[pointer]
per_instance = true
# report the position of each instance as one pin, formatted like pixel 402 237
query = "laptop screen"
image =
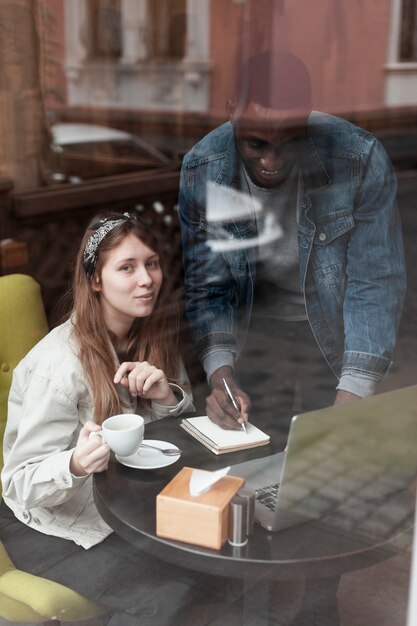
pixel 350 465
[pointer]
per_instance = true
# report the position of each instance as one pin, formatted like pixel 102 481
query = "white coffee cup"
pixel 123 433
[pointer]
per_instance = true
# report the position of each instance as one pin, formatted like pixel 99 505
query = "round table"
pixel 126 498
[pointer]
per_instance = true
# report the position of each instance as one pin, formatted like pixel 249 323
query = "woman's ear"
pixel 95 283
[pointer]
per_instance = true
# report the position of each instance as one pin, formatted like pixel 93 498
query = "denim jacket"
pixel 352 267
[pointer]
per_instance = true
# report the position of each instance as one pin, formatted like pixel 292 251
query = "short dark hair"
pixel 274 80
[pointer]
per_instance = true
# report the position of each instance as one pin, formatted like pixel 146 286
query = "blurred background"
pixel 100 100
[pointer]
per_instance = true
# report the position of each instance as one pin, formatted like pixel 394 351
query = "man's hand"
pixel 342 397
pixel 219 406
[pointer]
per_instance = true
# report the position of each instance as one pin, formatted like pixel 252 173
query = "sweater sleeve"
pixel 182 391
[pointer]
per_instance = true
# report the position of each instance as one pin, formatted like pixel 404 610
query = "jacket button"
pixel 36 520
pixel 5 367
pixel 322 237
pixel 231 235
pixel 25 515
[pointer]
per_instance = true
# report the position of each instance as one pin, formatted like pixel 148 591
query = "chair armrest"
pixel 48 598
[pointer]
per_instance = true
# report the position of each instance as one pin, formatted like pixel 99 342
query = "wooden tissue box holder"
pixel 200 520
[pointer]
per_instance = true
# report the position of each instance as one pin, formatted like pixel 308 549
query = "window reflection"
pixel 408 44
pixel 167 21
pixel 105 28
pixel 160 73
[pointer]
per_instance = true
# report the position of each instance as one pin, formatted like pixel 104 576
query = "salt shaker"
pixel 238 522
pixel 249 495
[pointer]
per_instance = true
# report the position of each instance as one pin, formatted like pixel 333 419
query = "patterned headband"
pixel 101 229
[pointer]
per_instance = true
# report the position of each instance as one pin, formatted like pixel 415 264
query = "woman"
pixel 117 352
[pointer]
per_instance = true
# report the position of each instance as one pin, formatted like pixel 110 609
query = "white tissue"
pixel 201 480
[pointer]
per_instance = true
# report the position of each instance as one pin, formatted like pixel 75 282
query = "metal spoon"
pixel 167 451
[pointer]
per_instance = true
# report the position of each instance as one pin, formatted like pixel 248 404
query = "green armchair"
pixel 24 597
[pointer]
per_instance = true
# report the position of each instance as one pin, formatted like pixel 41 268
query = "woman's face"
pixel 129 284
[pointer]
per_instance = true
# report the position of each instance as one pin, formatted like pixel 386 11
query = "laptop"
pixel 350 465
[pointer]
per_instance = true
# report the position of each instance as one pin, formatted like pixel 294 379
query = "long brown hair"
pixel 154 338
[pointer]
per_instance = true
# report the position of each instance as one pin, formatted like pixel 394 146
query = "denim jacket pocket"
pixel 334 226
pixel 332 280
pixel 328 257
pixel 242 230
pixel 228 239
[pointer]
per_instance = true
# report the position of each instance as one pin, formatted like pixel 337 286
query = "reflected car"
pixel 80 152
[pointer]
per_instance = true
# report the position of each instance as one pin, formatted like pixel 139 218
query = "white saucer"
pixel 145 458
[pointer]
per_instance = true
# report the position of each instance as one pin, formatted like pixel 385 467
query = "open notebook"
pixel 219 440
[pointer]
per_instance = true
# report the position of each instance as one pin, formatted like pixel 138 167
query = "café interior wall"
pixel 343 42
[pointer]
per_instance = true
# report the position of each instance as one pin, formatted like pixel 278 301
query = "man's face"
pixel 269 145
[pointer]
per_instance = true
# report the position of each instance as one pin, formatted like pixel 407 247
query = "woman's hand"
pixel 90 455
pixel 144 380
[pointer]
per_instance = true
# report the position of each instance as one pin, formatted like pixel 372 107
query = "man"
pixel 290 228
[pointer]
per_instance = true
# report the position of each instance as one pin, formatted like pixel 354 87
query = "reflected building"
pixel 139 54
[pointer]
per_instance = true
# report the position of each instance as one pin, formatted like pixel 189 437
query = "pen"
pixel 233 401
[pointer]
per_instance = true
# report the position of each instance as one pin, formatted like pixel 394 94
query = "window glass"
pixel 105 28
pixel 167 21
pixel 408 48
pixel 272 147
